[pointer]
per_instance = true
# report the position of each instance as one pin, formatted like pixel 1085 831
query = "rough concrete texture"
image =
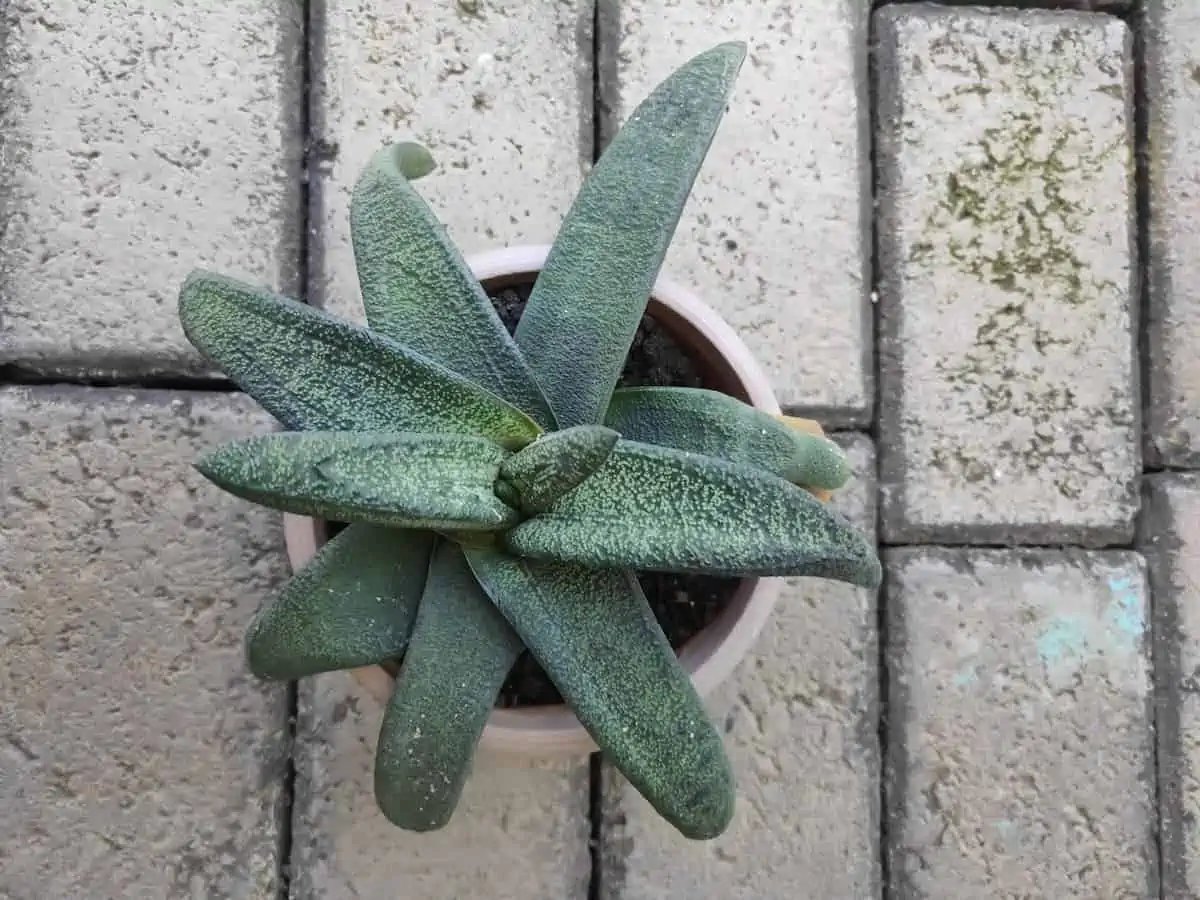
pixel 500 91
pixel 139 140
pixel 800 725
pixel 138 758
pixel 1010 399
pixel 1019 748
pixel 1170 539
pixel 1109 6
pixel 520 832
pixel 775 236
pixel 1172 29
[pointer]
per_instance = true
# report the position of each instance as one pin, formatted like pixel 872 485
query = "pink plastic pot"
pixel 711 655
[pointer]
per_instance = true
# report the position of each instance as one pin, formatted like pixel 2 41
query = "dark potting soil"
pixel 682 604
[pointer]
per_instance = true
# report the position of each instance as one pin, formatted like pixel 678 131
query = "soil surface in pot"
pixel 683 604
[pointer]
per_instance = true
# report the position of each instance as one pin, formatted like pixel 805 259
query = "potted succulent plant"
pixel 494 489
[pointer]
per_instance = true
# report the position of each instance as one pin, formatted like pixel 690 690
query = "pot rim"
pixel 710 656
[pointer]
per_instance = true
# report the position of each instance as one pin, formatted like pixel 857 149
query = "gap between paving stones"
pixel 311 10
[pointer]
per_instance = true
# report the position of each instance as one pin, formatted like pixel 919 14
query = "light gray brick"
pixel 775 236
pixel 500 91
pixel 799 718
pixel 1170 539
pixel 138 758
pixel 1172 29
pixel 520 831
pixel 1020 754
pixel 1109 6
pixel 139 140
pixel 1010 398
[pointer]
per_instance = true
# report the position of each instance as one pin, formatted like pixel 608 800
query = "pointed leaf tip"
pixel 606 257
pixel 735 50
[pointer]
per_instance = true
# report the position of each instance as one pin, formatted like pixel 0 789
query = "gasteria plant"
pixel 500 492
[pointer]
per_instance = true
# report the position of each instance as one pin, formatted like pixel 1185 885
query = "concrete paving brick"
pixel 520 831
pixel 800 721
pixel 500 91
pixel 1104 6
pixel 1020 759
pixel 1010 405
pixel 776 234
pixel 1170 540
pixel 138 140
pixel 1172 30
pixel 138 758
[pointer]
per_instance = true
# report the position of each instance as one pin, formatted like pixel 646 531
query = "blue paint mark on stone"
pixel 1125 616
pixel 966 676
pixel 1062 640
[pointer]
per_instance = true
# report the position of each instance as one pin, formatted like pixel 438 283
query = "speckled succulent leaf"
pixel 418 290
pixel 353 604
pixel 555 464
pixel 458 657
pixel 313 371
pixel 595 635
pixel 591 294
pixel 715 424
pixel 659 509
pixel 398 480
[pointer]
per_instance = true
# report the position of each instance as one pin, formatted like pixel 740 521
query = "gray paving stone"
pixel 1107 6
pixel 1020 754
pixel 1170 540
pixel 500 91
pixel 776 234
pixel 800 721
pixel 140 140
pixel 520 831
pixel 138 758
pixel 1172 29
pixel 1010 400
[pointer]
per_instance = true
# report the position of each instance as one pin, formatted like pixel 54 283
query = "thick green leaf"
pixel 597 638
pixel 716 424
pixel 352 605
pixel 459 655
pixel 591 294
pixel 315 372
pixel 418 290
pixel 658 509
pixel 399 480
pixel 555 464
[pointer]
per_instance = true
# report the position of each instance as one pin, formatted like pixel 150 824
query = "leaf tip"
pixel 410 159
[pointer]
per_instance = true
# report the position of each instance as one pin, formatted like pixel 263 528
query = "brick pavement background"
pixel 1000 201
